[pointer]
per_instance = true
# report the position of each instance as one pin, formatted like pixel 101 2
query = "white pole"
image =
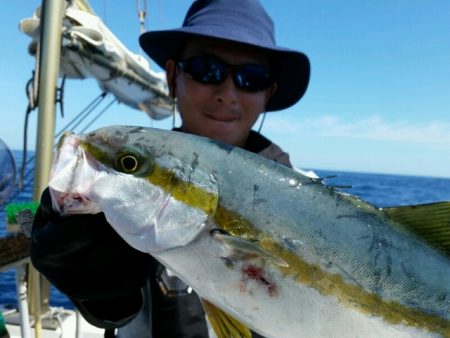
pixel 78 333
pixel 50 50
pixel 21 290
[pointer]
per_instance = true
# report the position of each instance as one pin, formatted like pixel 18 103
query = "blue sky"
pixel 378 100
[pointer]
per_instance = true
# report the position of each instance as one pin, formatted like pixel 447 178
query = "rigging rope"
pixel 83 114
pixel 30 91
pixel 98 115
pixel 141 6
pixel 32 104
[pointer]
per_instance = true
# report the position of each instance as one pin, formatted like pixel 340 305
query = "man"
pixel 223 70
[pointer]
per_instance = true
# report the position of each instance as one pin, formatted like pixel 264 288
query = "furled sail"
pixel 90 49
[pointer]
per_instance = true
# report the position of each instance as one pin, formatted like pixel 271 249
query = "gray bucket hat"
pixel 242 21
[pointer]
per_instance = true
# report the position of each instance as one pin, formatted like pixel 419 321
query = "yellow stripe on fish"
pixel 311 275
pixel 327 283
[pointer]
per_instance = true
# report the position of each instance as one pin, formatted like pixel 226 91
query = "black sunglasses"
pixel 209 69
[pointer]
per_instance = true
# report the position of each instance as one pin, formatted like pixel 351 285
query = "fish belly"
pixel 270 303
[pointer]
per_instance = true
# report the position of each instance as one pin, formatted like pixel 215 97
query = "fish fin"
pixel 429 221
pixel 322 180
pixel 224 325
pixel 246 249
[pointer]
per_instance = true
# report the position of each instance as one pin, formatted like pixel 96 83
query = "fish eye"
pixel 128 163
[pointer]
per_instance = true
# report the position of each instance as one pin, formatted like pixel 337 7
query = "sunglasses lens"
pixel 252 78
pixel 211 70
pixel 204 69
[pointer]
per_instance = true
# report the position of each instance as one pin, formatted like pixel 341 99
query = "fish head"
pixel 154 201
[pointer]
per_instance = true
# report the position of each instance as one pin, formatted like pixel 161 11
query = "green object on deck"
pixel 13 208
pixel 3 331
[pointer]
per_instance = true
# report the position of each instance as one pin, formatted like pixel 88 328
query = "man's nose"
pixel 226 91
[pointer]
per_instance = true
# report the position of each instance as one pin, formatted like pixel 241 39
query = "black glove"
pixel 87 260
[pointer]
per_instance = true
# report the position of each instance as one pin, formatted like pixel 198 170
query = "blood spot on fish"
pixel 252 272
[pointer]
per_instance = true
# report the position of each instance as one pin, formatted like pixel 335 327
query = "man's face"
pixel 219 111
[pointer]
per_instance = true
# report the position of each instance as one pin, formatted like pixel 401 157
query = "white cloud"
pixel 433 133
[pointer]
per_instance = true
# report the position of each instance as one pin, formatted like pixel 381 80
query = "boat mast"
pixel 49 63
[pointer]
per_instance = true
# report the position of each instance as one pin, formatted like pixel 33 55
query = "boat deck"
pixel 57 323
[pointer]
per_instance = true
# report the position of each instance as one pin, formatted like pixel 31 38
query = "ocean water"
pixel 378 189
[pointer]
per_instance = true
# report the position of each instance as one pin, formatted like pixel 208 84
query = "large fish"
pixel 280 252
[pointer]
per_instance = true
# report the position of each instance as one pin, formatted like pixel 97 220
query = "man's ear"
pixel 171 72
pixel 273 88
pixel 270 91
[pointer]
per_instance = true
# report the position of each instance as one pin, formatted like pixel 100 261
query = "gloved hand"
pixel 87 260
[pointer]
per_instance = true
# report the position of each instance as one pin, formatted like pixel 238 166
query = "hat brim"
pixel 292 67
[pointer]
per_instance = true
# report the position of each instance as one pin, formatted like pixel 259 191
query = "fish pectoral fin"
pixel 429 221
pixel 244 249
pixel 224 325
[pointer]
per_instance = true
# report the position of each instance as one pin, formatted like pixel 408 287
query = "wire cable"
pixel 98 115
pixel 82 115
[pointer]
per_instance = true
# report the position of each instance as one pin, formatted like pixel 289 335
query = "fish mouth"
pixel 73 173
pixel 70 203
